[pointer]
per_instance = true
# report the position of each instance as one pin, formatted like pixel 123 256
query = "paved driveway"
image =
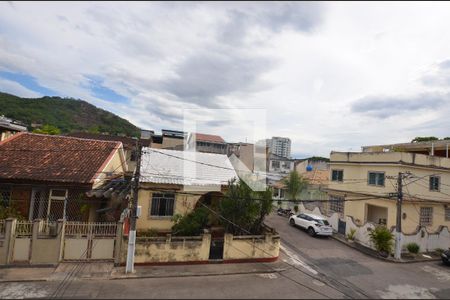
pixel 356 272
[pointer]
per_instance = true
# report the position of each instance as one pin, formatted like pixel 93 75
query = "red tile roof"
pixel 128 142
pixel 53 158
pixel 209 138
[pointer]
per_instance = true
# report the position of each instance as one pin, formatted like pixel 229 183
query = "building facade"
pixel 364 186
pixel 280 146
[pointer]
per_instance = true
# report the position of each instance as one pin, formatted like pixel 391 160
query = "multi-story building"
pixel 280 146
pixel 363 185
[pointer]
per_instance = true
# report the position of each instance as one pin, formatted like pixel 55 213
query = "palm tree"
pixel 294 186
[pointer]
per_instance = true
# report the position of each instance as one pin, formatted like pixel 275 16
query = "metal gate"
pixel 216 248
pixel 22 242
pixel 341 227
pixel 89 241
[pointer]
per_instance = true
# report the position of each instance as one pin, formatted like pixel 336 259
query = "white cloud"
pixel 308 64
pixel 12 87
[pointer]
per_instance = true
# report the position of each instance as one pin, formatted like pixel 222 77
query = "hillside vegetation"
pixel 66 114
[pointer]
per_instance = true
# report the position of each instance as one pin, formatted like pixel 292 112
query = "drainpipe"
pixel 446 150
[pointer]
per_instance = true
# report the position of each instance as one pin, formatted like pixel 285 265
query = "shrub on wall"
pixel 413 248
pixel 383 239
pixel 191 224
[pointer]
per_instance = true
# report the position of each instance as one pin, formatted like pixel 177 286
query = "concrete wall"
pixel 256 247
pixel 428 241
pixel 170 142
pixel 170 249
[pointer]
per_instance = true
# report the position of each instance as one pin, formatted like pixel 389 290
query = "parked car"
pixel 314 225
pixel 445 256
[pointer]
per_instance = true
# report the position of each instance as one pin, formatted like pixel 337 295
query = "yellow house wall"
pixel 183 205
pixel 355 180
pixel 171 142
pixel 116 165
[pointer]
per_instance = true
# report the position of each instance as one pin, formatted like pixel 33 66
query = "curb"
pixel 368 253
pixel 198 275
pixel 23 280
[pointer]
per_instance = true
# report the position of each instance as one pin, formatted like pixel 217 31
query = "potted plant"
pixel 382 239
pixel 351 235
pixel 296 208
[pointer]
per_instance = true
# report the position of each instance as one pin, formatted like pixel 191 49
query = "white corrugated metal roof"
pixel 185 167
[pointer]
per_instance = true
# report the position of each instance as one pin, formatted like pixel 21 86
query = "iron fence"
pixel 90 229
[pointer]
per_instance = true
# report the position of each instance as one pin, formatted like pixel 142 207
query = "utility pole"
pixel 398 226
pixel 134 204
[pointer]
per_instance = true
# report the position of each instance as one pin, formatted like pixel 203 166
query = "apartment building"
pixel 363 185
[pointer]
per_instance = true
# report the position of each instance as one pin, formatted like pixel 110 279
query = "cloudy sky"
pixel 331 76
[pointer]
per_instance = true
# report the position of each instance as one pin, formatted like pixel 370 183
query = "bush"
pixel 10 212
pixel 296 208
pixel 191 224
pixel 382 238
pixel 351 234
pixel 439 251
pixel 413 248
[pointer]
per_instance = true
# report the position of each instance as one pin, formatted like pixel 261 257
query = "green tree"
pixel 48 129
pixel 424 139
pixel 191 224
pixel 295 184
pixel 243 210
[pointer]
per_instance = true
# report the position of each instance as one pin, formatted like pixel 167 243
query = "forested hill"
pixel 65 113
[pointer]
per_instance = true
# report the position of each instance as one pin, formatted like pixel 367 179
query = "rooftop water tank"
pixel 309 168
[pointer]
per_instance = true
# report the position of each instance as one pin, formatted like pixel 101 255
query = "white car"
pixel 314 225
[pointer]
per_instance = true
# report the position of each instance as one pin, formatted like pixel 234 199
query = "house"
pixel 9 127
pixel 129 145
pixel 279 164
pixel 43 176
pixel 175 182
pixel 208 143
pixel 363 186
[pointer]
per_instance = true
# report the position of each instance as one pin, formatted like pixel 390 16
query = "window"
pixel 336 204
pixel 447 214
pixel 162 204
pixel 426 216
pixel 337 175
pixel 58 194
pixel 376 178
pixel 286 165
pixel 434 183
pixel 275 164
pixel 5 196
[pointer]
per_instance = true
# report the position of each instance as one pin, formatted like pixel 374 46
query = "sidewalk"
pixel 25 274
pixel 198 270
pixel 106 271
pixel 406 258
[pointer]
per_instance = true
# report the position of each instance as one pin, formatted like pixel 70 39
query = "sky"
pixel 330 76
